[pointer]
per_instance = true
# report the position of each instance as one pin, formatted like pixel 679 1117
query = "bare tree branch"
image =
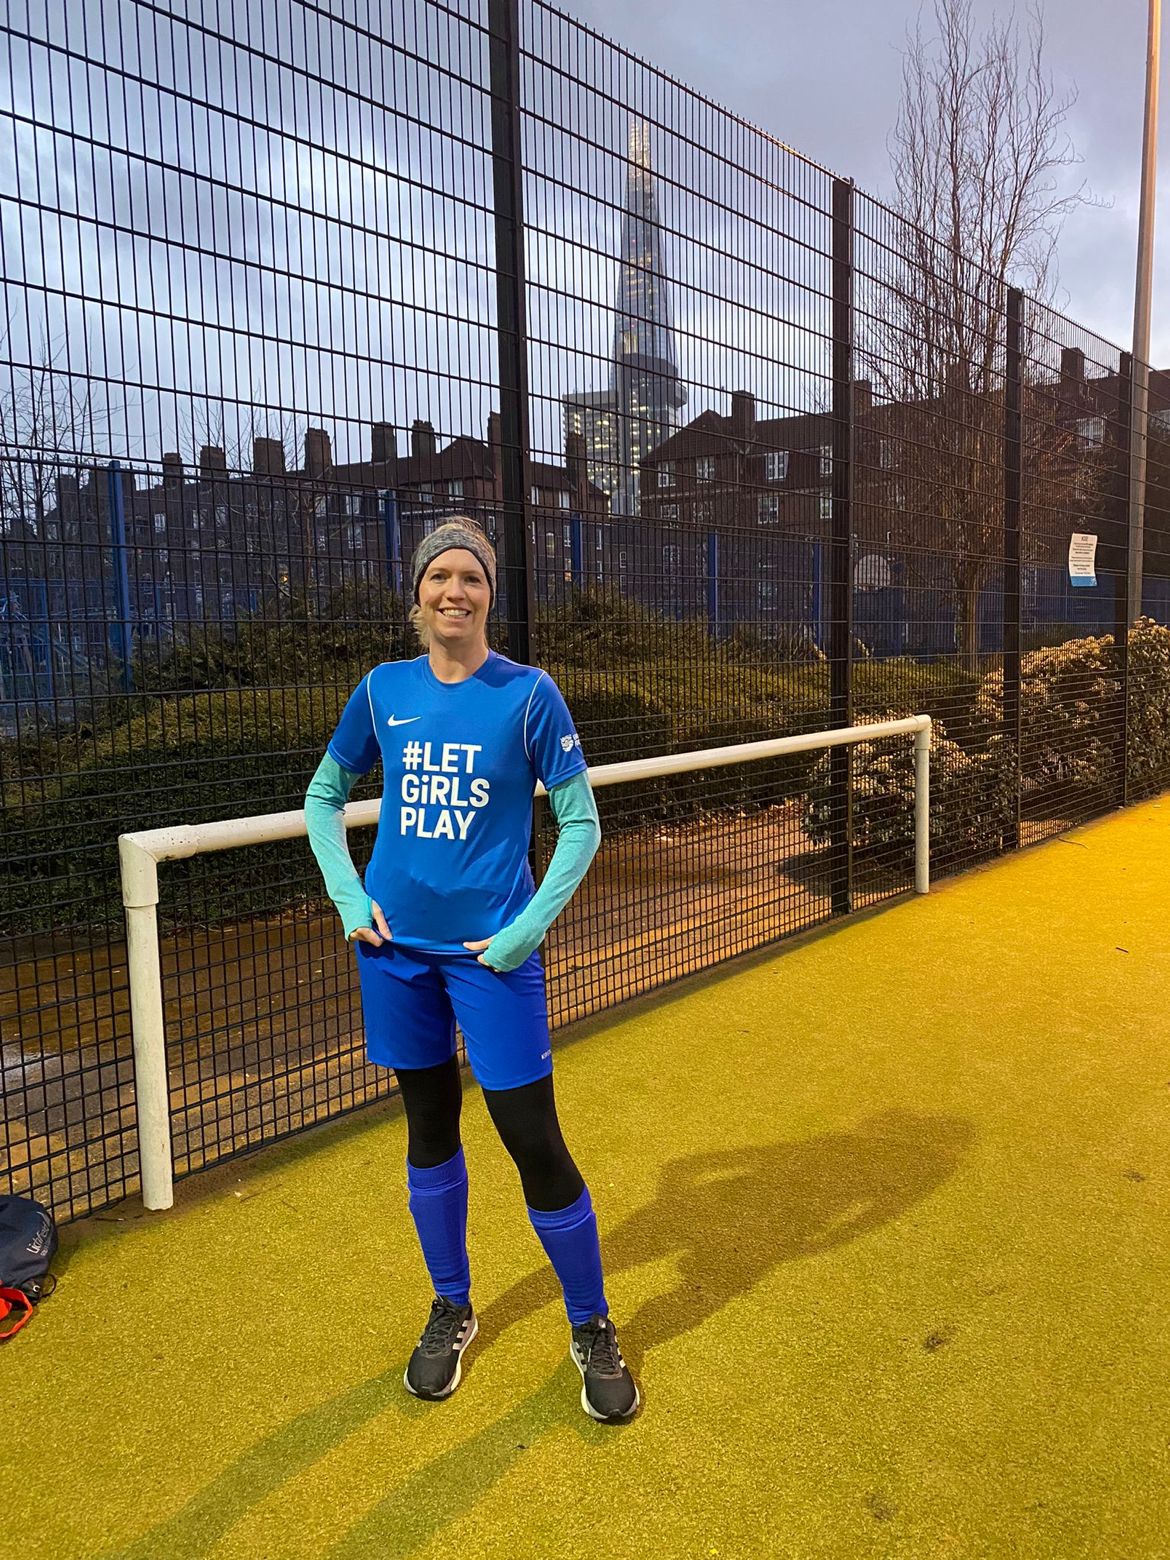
pixel 980 160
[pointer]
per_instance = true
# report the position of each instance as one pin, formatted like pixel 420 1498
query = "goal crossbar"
pixel 140 855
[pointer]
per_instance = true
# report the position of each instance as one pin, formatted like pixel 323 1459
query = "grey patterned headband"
pixel 457 532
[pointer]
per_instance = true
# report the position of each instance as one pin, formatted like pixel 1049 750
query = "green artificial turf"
pixel 885 1221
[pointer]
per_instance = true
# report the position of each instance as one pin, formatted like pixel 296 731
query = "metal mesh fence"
pixel 285 287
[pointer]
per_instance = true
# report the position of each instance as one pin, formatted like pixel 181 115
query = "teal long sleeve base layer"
pixel 578 836
pixel 324 805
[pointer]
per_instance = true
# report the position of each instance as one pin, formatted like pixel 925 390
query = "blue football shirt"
pixel 460 763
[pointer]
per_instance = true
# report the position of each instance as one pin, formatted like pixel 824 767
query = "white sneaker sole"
pixel 437 1397
pixel 603 1419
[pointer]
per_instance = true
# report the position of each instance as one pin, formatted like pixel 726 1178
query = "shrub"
pixel 1070 715
pixel 358 627
pixel 187 759
pixel 596 627
pixel 1148 728
pixel 972 797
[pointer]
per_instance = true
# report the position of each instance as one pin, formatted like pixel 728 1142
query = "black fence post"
pixel 1121 593
pixel 511 326
pixel 841 553
pixel 1011 554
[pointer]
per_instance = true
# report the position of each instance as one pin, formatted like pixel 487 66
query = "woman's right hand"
pixel 375 935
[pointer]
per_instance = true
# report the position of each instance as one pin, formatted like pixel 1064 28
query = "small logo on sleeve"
pixel 570 742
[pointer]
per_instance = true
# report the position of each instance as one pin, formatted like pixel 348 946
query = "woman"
pixel 447 927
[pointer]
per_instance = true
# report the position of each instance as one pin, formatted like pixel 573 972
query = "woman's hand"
pixel 375 935
pixel 506 951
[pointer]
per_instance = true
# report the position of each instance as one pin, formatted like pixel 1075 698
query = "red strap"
pixel 9 1297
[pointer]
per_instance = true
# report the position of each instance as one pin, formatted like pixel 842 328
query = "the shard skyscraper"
pixel 645 392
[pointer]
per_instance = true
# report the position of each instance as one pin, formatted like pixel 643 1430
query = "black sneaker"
pixel 608 1391
pixel 436 1365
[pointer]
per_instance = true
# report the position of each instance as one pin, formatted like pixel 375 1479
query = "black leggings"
pixel 525 1118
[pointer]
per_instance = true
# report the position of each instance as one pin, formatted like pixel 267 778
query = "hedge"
pixel 246 717
pixel 972 797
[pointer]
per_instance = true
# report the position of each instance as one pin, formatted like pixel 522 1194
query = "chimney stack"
pixel 268 458
pixel 383 444
pixel 576 466
pixel 422 439
pixel 743 413
pixel 172 466
pixel 212 462
pixel 1072 368
pixel 318 452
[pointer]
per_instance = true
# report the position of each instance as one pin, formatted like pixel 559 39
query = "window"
pixel 669 513
pixel 886 454
pixel 622 559
pixel 776 465
pixel 1091 432
pixel 765 590
pixel 160 523
pixel 670 556
pixel 455 488
pixel 769 508
pixel 534 495
pixel 826 454
pixel 826 506
pixel 562 499
pixel 351 504
pixel 550 544
pixel 666 474
pixel 705 468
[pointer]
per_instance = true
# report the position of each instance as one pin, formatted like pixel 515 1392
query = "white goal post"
pixel 141 853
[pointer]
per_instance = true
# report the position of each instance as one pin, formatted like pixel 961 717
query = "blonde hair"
pixel 421 632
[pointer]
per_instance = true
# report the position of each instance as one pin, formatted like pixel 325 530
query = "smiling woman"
pixel 455 592
pixel 447 929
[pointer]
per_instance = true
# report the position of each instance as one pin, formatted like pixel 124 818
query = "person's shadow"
pixel 729 1217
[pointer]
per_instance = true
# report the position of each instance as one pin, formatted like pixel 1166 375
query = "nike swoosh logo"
pixel 390 720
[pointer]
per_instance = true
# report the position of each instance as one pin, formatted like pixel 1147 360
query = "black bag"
pixel 28 1243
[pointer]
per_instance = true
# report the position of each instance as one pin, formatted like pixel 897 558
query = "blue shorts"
pixel 411 1002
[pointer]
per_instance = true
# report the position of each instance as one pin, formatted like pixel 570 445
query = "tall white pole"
pixel 1141 318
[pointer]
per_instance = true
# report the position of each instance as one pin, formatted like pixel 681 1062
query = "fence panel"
pixel 284 288
pixel 252 357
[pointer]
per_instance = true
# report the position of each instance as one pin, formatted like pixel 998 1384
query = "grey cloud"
pixel 826 80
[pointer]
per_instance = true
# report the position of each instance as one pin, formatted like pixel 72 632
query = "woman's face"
pixel 453 597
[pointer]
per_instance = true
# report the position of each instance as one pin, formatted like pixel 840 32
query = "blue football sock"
pixel 569 1237
pixel 438 1205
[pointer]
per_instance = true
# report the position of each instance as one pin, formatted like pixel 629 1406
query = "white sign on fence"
pixel 1082 559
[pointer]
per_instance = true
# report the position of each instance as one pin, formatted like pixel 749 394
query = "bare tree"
pixel 48 426
pixel 979 157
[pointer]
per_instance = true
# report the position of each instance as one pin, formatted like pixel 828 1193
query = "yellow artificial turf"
pixel 885 1220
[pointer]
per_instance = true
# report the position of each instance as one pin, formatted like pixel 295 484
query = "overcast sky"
pixel 271 213
pixel 826 79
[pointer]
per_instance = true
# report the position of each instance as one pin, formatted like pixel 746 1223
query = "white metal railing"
pixel 141 853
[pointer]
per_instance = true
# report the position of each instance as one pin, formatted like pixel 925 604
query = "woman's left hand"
pixel 504 952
